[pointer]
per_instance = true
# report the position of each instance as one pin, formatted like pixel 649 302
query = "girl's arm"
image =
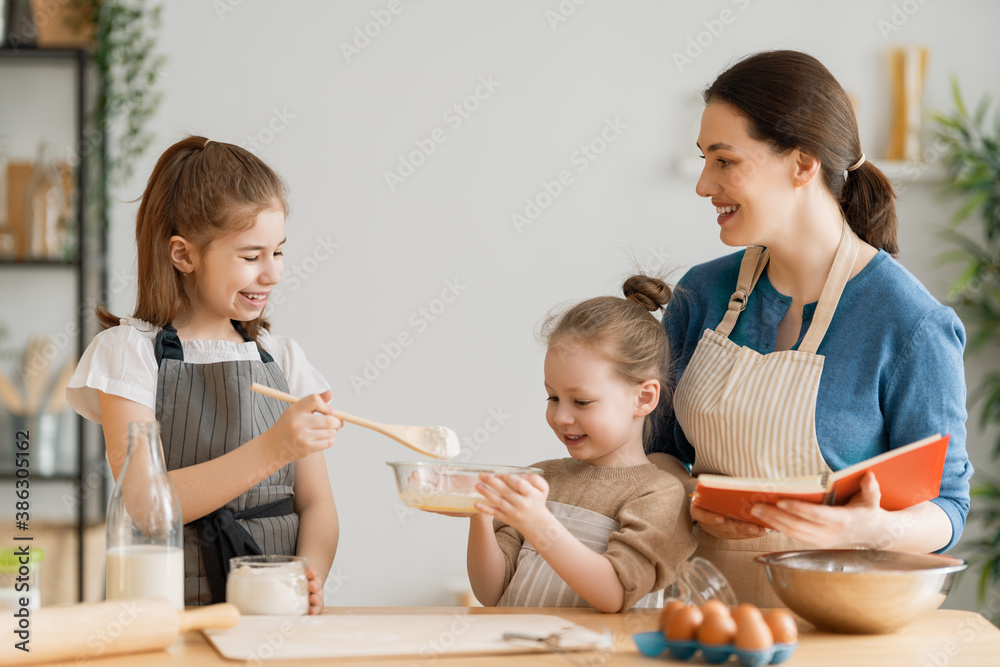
pixel 520 502
pixel 319 528
pixel 205 487
pixel 485 561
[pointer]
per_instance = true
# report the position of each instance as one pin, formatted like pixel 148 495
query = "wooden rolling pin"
pixel 90 630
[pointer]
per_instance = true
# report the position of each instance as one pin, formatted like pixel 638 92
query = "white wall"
pixel 239 69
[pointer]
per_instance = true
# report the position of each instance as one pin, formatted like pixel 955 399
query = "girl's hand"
pixel 724 527
pixel 304 428
pixel 517 500
pixel 860 522
pixel 315 592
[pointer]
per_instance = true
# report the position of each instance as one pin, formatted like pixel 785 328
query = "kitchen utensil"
pixel 10 396
pixel 862 591
pixel 56 401
pixel 438 442
pixel 446 487
pixel 576 638
pixel 77 632
pixel 36 366
pixel 424 637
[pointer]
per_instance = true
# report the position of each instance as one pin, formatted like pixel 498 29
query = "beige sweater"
pixel 649 504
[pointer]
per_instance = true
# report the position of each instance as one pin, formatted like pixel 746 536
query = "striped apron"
pixel 205 411
pixel 754 415
pixel 536 584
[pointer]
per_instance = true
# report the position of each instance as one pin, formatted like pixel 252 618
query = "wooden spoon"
pixel 10 397
pixel 437 442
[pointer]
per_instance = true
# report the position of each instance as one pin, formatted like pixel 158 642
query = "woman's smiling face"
pixel 749 184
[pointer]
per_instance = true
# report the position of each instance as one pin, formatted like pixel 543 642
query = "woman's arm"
pixel 485 561
pixel 520 502
pixel 712 523
pixel 205 487
pixel 319 528
pixel 922 528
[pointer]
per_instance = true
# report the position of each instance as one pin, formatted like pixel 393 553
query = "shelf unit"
pixel 88 271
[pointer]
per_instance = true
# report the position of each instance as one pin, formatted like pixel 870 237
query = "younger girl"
pixel 249 473
pixel 605 527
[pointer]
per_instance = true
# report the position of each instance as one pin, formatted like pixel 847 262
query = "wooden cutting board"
pixel 417 636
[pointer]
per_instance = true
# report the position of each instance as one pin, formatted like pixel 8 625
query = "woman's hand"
pixel 859 523
pixel 517 500
pixel 315 592
pixel 304 428
pixel 723 527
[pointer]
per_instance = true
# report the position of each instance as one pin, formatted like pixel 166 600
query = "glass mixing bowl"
pixel 441 486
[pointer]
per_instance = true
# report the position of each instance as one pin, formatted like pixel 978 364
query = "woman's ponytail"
pixel 868 202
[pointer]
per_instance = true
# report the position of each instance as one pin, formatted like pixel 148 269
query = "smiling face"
pixel 750 185
pixel 595 413
pixel 235 273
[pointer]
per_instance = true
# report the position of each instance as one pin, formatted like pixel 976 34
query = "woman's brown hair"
pixel 626 332
pixel 790 100
pixel 200 190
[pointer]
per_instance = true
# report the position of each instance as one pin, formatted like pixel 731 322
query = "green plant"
pixel 128 71
pixel 972 157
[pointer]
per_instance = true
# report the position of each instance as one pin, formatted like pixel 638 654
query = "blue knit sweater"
pixel 893 372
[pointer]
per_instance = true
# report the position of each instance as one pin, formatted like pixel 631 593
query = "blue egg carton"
pixel 655 645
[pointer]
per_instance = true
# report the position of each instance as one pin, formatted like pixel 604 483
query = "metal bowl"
pixel 861 591
pixel 441 486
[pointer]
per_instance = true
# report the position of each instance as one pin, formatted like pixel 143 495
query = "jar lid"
pixel 10 558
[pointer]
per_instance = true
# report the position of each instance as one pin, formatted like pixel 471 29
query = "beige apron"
pixel 754 415
pixel 536 584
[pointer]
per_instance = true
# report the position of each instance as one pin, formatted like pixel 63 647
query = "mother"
pixel 812 349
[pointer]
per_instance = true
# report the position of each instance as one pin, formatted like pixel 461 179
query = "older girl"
pixel 250 474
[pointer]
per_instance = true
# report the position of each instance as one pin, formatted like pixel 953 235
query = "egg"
pixel 714 607
pixel 683 624
pixel 668 611
pixel 752 633
pixel 782 625
pixel 743 610
pixel 718 627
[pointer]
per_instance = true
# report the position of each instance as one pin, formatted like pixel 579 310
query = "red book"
pixel 907 475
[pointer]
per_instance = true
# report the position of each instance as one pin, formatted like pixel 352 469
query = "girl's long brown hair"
pixel 201 190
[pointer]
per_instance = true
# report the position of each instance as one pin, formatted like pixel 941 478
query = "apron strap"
pixel 168 344
pixel 220 538
pixel 264 356
pixel 754 261
pixel 840 273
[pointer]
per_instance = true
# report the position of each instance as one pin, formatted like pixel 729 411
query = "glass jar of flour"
pixel 268 585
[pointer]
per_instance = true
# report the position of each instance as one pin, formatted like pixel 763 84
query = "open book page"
pixel 907 476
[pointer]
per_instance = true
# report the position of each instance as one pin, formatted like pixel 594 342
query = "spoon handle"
pixel 288 398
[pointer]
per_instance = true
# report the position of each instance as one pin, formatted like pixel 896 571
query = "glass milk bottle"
pixel 145 539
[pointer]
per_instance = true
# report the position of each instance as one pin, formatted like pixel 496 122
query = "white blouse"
pixel 121 361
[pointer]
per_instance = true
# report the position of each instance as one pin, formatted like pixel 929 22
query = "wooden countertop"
pixel 943 638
